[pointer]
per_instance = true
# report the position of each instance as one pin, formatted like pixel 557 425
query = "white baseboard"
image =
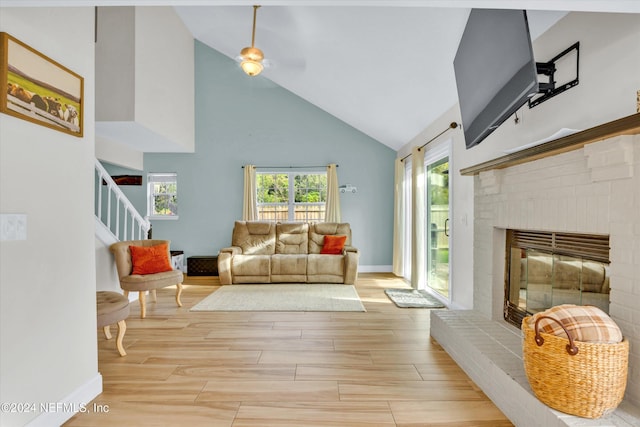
pixel 78 401
pixel 375 268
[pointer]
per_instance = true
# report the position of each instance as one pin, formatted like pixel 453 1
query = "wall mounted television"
pixel 495 70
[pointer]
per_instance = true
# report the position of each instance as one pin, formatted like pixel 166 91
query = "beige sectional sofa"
pixel 268 252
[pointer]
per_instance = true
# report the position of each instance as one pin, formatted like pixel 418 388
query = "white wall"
pixel 145 81
pixel 118 154
pixel 106 273
pixel 165 75
pixel 115 64
pixel 609 79
pixel 47 282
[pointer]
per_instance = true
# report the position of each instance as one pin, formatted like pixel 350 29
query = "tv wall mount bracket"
pixel 548 89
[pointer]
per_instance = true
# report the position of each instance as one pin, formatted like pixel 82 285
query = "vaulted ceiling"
pixel 386 71
pixel 384 67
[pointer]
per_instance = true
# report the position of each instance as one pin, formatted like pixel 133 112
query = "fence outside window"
pixel 292 196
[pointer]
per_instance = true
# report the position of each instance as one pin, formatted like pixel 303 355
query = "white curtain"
pixel 418 244
pixel 332 208
pixel 398 219
pixel 249 206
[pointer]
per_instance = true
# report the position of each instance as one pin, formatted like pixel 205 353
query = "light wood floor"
pixel 378 368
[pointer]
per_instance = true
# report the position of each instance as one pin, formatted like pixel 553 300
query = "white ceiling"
pixel 386 71
pixel 384 67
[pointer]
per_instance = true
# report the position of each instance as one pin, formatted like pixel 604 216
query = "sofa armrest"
pixel 351 257
pixel 232 250
pixel 224 263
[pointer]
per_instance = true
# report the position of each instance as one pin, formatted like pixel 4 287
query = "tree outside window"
pixel 292 196
pixel 162 196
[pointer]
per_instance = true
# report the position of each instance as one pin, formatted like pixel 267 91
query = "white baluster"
pixel 124 226
pixel 109 208
pixel 133 228
pixel 127 208
pixel 118 216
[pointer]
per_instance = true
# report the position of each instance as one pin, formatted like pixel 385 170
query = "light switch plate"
pixel 13 227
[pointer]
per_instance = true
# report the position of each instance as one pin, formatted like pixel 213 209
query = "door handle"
pixel 446 227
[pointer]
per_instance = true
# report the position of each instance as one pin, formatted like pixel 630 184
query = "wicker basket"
pixel 589 383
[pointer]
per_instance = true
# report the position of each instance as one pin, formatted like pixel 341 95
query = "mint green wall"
pixel 241 120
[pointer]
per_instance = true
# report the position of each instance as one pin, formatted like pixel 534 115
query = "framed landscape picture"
pixel 39 89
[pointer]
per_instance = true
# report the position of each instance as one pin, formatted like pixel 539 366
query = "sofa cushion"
pixel 254 237
pixel 319 230
pixel 251 265
pixel 325 264
pixel 290 268
pixel 138 282
pixel 292 238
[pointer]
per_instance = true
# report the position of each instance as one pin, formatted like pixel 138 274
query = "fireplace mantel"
pixel 629 125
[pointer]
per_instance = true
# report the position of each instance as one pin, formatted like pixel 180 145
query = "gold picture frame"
pixel 38 89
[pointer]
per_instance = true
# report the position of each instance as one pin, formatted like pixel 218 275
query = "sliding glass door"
pixel 438 224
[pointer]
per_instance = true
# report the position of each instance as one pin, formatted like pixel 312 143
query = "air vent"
pixel 589 246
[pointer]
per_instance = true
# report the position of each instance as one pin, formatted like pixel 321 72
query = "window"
pixel 292 196
pixel 162 196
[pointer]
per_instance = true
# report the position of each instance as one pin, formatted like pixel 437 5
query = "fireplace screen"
pixel 546 269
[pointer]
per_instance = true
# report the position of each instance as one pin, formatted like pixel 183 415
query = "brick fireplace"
pixel 594 189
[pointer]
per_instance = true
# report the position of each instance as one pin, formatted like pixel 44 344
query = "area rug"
pixel 282 297
pixel 412 298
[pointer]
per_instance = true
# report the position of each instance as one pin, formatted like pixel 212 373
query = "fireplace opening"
pixel 545 269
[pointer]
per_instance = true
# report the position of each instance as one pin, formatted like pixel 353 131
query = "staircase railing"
pixel 115 211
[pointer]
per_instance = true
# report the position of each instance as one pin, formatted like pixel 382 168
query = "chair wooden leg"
pixel 178 293
pixel 122 328
pixel 153 295
pixel 126 294
pixel 107 331
pixel 143 308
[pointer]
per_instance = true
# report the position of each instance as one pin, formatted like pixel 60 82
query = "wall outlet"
pixel 13 227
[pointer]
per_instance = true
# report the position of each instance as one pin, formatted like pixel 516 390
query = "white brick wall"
pixel 592 190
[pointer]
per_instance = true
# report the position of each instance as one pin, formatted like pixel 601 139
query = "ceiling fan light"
pixel 252 53
pixel 251 67
pixel 252 56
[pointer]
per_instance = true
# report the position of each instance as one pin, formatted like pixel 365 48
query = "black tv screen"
pixel 495 70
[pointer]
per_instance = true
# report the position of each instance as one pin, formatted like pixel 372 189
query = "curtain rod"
pixel 452 125
pixel 290 167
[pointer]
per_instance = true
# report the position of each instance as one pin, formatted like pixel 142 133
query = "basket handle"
pixel 571 347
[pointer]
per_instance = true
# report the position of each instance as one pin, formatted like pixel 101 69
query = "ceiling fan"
pixel 251 58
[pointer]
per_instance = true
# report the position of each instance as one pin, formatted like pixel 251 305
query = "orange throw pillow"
pixel 149 260
pixel 333 245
